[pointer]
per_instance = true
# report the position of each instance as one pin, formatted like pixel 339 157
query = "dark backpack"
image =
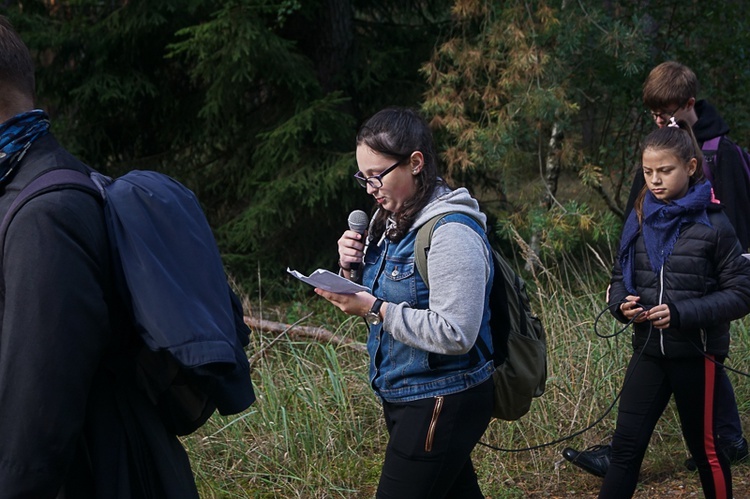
pixel 732 177
pixel 518 338
pixel 710 156
pixel 170 277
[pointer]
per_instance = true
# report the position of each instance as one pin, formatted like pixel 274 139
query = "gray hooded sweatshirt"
pixel 459 268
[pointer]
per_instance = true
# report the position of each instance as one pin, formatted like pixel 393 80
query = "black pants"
pixel 728 424
pixel 429 450
pixel 650 381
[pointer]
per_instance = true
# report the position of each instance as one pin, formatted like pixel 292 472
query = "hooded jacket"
pixel 426 343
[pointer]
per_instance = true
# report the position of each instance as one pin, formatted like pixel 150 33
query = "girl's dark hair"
pixel 680 141
pixel 397 132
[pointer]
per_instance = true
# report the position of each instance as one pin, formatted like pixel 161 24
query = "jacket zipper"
pixel 661 297
pixel 378 354
pixel 433 423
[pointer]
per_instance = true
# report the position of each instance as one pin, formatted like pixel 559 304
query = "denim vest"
pixel 399 372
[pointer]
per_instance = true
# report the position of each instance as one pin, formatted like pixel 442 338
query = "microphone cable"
pixel 627 378
pixel 720 364
pixel 611 406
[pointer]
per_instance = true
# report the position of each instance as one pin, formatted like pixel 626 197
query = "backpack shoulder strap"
pixel 710 149
pixel 48 181
pixel 422 246
pixel 712 144
pixel 423 241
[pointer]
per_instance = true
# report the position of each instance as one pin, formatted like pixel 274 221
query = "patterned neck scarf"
pixel 16 136
pixel 661 228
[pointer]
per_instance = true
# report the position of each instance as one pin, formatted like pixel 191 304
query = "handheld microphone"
pixel 358 222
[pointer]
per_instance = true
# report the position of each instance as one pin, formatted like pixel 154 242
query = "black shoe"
pixel 737 453
pixel 595 459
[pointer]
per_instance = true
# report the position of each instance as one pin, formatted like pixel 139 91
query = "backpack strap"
pixel 422 246
pixel 423 242
pixel 712 144
pixel 421 249
pixel 744 158
pixel 710 150
pixel 51 180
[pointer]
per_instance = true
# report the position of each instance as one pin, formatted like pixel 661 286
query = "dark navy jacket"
pixel 70 426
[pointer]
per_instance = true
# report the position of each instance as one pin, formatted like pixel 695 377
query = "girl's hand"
pixel 631 308
pixel 352 304
pixel 659 316
pixel 351 249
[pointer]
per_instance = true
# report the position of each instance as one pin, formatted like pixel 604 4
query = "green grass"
pixel 316 430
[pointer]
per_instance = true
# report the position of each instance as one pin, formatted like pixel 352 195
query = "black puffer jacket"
pixel 706 282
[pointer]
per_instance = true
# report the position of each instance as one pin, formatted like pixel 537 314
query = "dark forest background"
pixel 254 104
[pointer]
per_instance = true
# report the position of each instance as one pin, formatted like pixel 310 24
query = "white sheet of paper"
pixel 327 280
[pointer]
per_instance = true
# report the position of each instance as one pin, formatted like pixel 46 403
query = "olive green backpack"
pixel 518 337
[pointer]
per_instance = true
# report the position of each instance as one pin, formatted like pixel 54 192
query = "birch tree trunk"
pixel 550 175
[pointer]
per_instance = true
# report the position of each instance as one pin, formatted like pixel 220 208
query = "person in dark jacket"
pixel 681 278
pixel 670 92
pixel 72 425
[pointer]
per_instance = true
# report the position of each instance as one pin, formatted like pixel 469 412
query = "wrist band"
pixel 342 267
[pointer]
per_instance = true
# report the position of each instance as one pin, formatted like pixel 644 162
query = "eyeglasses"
pixel 376 181
pixel 667 115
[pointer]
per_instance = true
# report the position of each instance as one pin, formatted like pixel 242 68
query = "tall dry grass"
pixel 316 430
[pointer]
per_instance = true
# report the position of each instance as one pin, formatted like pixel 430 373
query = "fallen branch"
pixel 296 331
pixel 260 352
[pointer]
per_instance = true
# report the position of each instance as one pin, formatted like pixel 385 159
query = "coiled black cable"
pixel 611 406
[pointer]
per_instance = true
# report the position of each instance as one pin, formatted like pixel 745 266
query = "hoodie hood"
pixel 444 200
pixel 710 124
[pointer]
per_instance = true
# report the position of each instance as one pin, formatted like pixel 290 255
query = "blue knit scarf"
pixel 661 228
pixel 16 136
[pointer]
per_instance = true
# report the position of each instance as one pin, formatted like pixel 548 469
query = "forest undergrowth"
pixel 316 430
